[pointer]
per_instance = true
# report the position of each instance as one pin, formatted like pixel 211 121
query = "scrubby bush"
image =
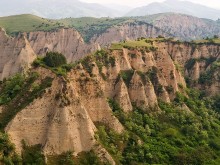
pixel 54 59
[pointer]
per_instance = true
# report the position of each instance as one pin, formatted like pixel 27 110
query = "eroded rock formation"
pixel 16 55
pixel 66 41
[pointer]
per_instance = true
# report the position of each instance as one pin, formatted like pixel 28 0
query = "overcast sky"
pixel 132 3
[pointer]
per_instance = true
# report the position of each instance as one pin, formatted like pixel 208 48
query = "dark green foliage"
pixel 174 136
pixel 7 152
pixel 87 64
pixel 190 63
pixel 10 88
pixel 169 89
pixel 127 76
pixel 29 91
pixel 208 77
pixel 32 155
pixel 60 70
pixel 144 77
pixel 67 158
pixel 216 103
pixel 103 58
pixel 86 158
pixel 54 59
pixel 64 158
pixel 152 74
pixel 133 55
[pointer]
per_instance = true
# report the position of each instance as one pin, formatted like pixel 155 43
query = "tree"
pixel 54 59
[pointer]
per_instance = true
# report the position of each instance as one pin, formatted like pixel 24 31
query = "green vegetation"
pixel 174 136
pixel 215 40
pixel 67 158
pixel 208 77
pixel 10 88
pixel 32 155
pixel 18 92
pixel 89 27
pixel 7 151
pixel 101 58
pixel 126 76
pixel 64 158
pixel 140 43
pixel 54 61
pixel 27 23
pixel 190 63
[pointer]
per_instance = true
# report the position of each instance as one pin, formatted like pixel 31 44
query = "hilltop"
pixel 169 24
pixel 27 23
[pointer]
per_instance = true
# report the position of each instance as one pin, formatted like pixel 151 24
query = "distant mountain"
pixel 56 9
pixel 176 6
pixel 121 9
pixel 109 30
pixel 182 26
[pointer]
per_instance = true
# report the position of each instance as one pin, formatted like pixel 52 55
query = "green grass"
pixel 212 40
pixel 131 44
pixel 27 23
pixel 89 26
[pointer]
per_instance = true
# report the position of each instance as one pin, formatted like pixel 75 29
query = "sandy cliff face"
pixel 127 31
pixel 16 55
pixel 66 41
pixel 197 60
pixel 186 27
pixel 65 117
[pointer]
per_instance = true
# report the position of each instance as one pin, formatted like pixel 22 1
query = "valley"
pixel 97 90
pixel 131 97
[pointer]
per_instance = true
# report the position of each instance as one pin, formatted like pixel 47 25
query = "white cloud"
pixel 135 3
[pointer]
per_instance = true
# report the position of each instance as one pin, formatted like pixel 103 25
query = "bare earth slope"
pixel 16 54
pixel 66 41
pixel 65 117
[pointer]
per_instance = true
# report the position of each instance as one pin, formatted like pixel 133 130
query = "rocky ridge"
pixel 66 41
pixel 134 76
pixel 16 55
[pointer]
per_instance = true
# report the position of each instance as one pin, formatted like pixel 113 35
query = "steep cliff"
pixel 16 55
pixel 71 107
pixel 199 62
pixel 66 41
pixel 184 27
pixel 127 31
pixel 122 89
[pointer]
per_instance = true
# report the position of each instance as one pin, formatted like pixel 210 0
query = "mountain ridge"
pixel 56 10
pixel 101 91
pixel 184 7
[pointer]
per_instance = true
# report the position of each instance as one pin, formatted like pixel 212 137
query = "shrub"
pixel 127 76
pixel 54 59
pixel 11 88
pixel 33 155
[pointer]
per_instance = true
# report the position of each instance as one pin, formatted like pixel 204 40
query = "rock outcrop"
pixel 16 55
pixel 184 27
pixel 127 31
pixel 65 117
pixel 197 61
pixel 66 41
